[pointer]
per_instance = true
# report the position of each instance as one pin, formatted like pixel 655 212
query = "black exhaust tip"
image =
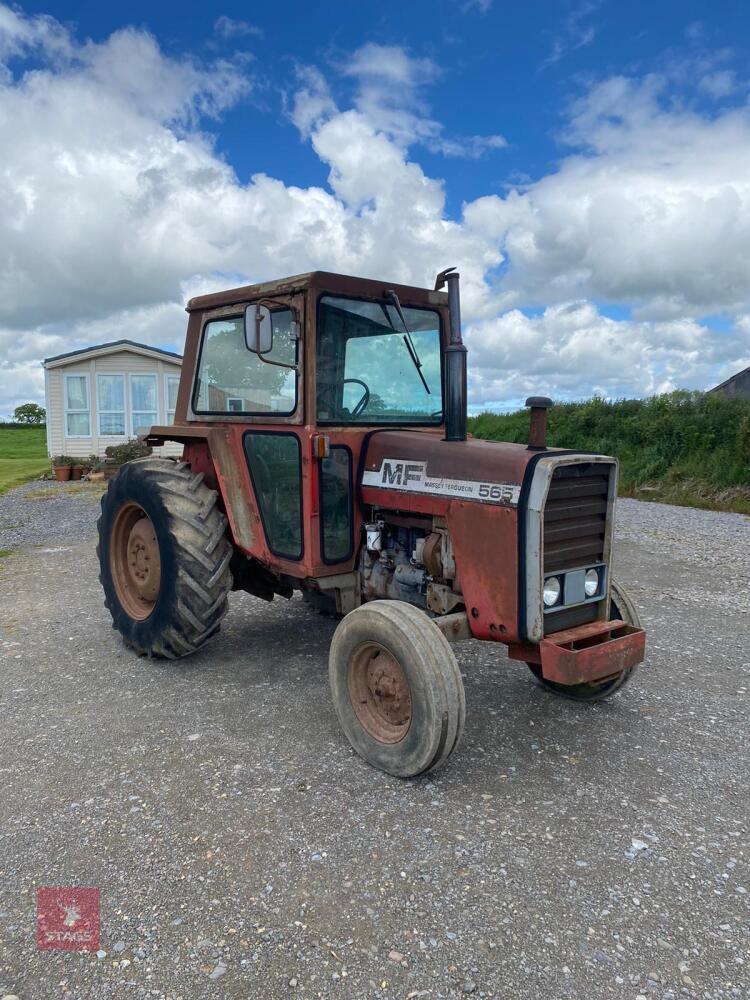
pixel 455 364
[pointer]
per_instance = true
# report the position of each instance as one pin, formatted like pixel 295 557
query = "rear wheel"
pixel 163 557
pixel 622 607
pixel 396 688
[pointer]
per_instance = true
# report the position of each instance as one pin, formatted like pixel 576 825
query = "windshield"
pixel 365 370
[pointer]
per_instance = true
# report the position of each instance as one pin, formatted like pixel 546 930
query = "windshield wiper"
pixel 391 295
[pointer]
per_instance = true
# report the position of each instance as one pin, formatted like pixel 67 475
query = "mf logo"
pixel 402 473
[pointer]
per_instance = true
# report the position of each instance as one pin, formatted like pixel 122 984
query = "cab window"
pixel 366 372
pixel 275 465
pixel 232 379
pixel 336 514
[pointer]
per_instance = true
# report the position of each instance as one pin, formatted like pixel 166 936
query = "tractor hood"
pixel 420 463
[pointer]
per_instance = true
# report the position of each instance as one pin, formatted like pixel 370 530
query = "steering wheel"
pixel 361 405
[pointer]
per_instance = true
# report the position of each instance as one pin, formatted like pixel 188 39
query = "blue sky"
pixel 584 164
pixel 501 68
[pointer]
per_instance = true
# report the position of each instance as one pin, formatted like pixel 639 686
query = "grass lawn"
pixel 23 455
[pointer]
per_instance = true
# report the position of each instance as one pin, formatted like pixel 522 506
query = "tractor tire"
pixel 396 687
pixel 622 607
pixel 163 557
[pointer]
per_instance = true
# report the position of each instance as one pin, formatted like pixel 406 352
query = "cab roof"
pixel 328 281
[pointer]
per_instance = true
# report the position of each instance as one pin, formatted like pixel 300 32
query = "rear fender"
pixel 216 459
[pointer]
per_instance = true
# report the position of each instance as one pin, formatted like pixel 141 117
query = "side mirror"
pixel 258 329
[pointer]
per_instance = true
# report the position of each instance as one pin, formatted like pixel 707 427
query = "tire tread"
pixel 197 531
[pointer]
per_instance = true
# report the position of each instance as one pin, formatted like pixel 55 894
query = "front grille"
pixel 575 516
pixel 575 523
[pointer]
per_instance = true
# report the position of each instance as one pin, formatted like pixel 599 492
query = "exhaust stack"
pixel 538 426
pixel 455 361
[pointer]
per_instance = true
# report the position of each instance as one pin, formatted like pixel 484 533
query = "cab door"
pixel 274 459
pixel 257 397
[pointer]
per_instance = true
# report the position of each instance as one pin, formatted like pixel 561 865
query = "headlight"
pixel 591 583
pixel 551 592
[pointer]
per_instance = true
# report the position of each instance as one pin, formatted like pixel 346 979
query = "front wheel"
pixel 622 607
pixel 396 687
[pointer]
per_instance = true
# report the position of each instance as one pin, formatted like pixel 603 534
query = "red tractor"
pixel 323 425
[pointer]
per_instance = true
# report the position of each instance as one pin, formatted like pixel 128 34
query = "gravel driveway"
pixel 242 850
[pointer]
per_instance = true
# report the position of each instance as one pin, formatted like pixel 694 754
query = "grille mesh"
pixel 575 516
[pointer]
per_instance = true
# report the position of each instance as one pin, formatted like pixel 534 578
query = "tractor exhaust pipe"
pixel 538 425
pixel 455 361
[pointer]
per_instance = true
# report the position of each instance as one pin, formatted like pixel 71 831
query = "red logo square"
pixel 67 919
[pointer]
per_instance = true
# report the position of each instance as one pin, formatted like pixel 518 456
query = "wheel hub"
pixel 380 693
pixel 135 560
pixel 143 559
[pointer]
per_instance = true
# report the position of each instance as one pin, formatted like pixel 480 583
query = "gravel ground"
pixel 46 513
pixel 242 850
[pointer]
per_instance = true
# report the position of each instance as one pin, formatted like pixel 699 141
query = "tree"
pixel 29 413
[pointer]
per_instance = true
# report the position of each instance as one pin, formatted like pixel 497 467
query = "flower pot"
pixel 76 472
pixel 62 473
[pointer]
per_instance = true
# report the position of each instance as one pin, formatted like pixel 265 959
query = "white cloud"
pixel 653 211
pixel 111 197
pixel 390 64
pixel 574 32
pixel 312 103
pixel 227 27
pixel 115 207
pixel 480 5
pixel 99 188
pixel 719 83
pixel 390 95
pixel 572 349
pixel 470 147
pixel 20 34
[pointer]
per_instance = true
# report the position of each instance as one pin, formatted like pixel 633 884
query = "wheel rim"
pixel 379 693
pixel 135 561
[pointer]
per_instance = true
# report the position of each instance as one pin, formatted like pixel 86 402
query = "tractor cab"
pixel 291 378
pixel 340 351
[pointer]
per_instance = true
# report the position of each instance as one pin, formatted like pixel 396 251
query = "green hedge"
pixel 686 443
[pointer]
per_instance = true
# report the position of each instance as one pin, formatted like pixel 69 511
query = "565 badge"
pixel 412 477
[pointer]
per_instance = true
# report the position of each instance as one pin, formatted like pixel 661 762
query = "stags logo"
pixel 67 919
pixel 396 474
